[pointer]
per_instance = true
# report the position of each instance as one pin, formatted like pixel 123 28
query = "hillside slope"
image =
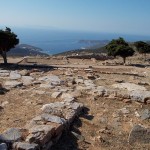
pixel 26 50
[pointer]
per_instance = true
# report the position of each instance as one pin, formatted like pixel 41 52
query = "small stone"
pixel 13 84
pixel 25 146
pixel 66 95
pixel 127 101
pixel 3 146
pixel 52 118
pixel 27 80
pixel 139 134
pixel 140 96
pixel 145 114
pixel 14 75
pixel 11 135
pixel 24 72
pixel 39 92
pixel 54 80
pixel 124 111
pixel 46 86
pixel 56 94
pixel 137 114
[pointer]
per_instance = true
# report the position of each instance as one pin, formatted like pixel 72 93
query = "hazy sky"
pixel 115 16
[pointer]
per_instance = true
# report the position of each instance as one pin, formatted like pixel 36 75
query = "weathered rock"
pixel 51 109
pixel 124 111
pixel 137 114
pixel 47 108
pixel 76 93
pixel 27 80
pixel 52 118
pixel 40 92
pixel 69 100
pixel 83 88
pixel 14 75
pixel 56 94
pixel 24 72
pixel 129 86
pixel 4 73
pixel 76 106
pixel 66 95
pixel 25 146
pixel 99 91
pixel 145 114
pixel 3 146
pixel 48 126
pixel 140 135
pixel 12 84
pixel 140 96
pixel 40 134
pixel 89 84
pixel 54 80
pixel 46 86
pixel 11 135
pixel 70 115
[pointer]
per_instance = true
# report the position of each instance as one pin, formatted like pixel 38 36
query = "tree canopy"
pixel 119 47
pixel 8 40
pixel 142 47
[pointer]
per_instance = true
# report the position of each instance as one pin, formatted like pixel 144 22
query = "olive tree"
pixel 142 47
pixel 119 47
pixel 8 40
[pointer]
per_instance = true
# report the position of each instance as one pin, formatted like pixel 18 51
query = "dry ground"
pixel 98 126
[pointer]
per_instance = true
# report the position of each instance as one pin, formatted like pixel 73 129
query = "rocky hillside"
pixel 26 50
pixel 89 51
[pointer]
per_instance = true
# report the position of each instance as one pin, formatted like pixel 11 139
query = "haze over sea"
pixel 59 25
pixel 56 41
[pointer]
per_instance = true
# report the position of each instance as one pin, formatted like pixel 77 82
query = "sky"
pixel 110 16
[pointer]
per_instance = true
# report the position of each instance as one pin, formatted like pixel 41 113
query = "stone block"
pixel 40 134
pixel 25 146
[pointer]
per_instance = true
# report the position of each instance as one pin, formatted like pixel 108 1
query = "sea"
pixel 53 41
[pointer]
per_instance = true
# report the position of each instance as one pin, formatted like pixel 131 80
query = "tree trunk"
pixel 4 56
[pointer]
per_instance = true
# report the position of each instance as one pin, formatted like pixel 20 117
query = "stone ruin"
pixel 44 130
